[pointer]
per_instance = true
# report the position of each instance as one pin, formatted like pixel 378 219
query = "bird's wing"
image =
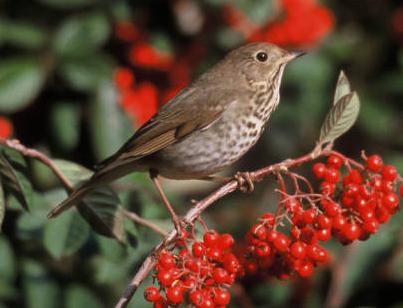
pixel 190 110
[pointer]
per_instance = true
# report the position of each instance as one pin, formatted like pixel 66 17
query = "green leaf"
pixel 101 209
pixel 7 265
pixel 81 35
pixel 30 225
pixel 65 125
pixel 87 72
pixel 12 169
pixel 40 290
pixel 21 79
pixel 110 128
pixel 80 297
pixel 342 87
pixel 340 118
pixel 21 34
pixel 67 4
pixel 2 205
pixel 65 235
pixel 74 172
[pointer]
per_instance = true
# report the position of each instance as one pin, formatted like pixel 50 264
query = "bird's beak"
pixel 294 54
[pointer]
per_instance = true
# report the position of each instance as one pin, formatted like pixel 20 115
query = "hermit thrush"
pixel 206 127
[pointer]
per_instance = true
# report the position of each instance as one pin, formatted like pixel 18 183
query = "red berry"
pixel 319 170
pixel 390 201
pixel 196 297
pixel 351 231
pixel 309 216
pixel 389 173
pixel 226 241
pixel 382 214
pixel 374 163
pixel 206 303
pixel 401 191
pixel 352 190
pixel 190 282
pixel 335 161
pixel 324 222
pixel 339 222
pixel 332 175
pixel 298 250
pixel 151 294
pixel 259 231
pixel 281 242
pixel 354 176
pixel 331 208
pixel 211 238
pixel 221 297
pixel 272 235
pixel 165 278
pixel 214 253
pixel 317 253
pixel 371 225
pixel 166 260
pixel 198 249
pixel 305 270
pixel 220 275
pixel 174 295
pixel 262 249
pixel 251 267
pixel 323 234
pixel 268 218
pixel 231 263
pixel 327 188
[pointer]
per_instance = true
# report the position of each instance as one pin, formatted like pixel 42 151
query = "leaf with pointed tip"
pixel 342 87
pixel 340 118
pixel 12 169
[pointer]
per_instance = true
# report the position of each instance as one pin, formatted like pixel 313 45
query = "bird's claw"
pixel 245 183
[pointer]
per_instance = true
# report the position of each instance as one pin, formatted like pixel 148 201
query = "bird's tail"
pixel 75 197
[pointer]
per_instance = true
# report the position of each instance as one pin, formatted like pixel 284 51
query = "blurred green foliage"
pixel 56 68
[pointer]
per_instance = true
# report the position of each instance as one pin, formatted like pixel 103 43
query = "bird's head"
pixel 260 61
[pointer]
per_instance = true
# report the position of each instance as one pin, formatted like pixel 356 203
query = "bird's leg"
pixel 177 222
pixel 245 183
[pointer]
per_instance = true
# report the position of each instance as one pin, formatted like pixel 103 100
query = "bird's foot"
pixel 245 183
pixel 182 227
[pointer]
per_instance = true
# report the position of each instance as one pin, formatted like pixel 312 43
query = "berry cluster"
pixel 300 23
pixel 349 208
pixel 141 99
pixel 360 201
pixel 199 275
pixel 272 252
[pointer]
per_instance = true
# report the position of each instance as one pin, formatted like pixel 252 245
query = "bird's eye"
pixel 261 56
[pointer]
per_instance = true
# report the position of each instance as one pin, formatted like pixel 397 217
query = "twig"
pixel 16 145
pixel 144 222
pixel 199 208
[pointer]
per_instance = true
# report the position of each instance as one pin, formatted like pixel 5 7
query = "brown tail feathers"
pixel 75 197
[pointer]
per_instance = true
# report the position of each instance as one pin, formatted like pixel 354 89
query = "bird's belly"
pixel 209 151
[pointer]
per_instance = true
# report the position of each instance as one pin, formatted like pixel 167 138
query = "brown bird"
pixel 206 127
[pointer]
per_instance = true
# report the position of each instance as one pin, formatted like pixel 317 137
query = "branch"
pixel 199 207
pixel 144 222
pixel 16 145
